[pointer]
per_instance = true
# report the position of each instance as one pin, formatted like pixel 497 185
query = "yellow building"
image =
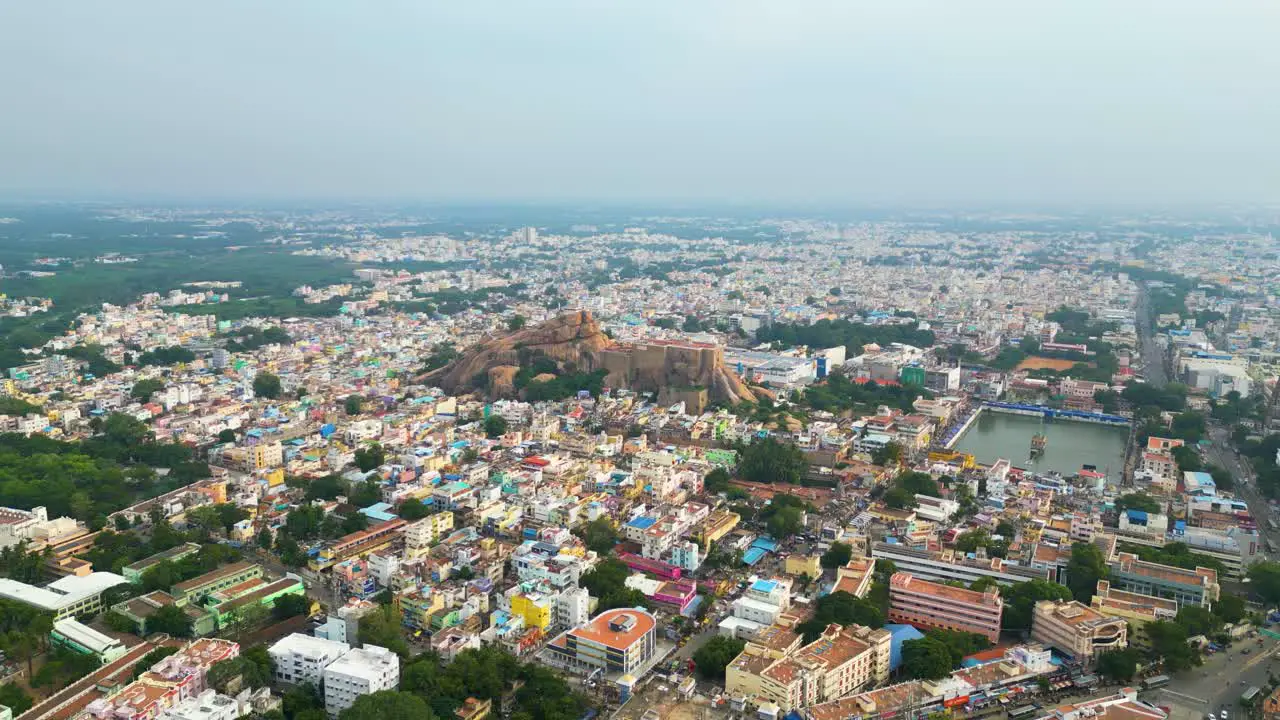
pixel 417 607
pixel 534 608
pixel 804 565
pixel 716 526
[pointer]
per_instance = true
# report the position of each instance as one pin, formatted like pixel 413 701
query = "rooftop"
pixel 905 582
pixel 619 628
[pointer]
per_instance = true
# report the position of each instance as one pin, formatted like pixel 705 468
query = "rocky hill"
pixel 575 342
pixel 573 338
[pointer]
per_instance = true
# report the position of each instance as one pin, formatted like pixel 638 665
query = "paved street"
pixel 1152 357
pixel 1222 678
pixel 1222 454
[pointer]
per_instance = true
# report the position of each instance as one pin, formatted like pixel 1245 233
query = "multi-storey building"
pixel 615 641
pixel 359 671
pixel 1076 629
pixel 1137 610
pixel 421 535
pixel 302 659
pixel 1186 587
pixel 933 605
pixel 841 661
pixel 855 577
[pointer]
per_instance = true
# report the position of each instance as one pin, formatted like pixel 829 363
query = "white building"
pixel 66 597
pixel 760 605
pixel 572 608
pixel 208 705
pixel 359 671
pixel 301 658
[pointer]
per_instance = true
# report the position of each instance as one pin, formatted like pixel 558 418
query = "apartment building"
pixel 1076 629
pixel 1186 587
pixel 421 535
pixel 615 641
pixel 359 671
pixel 841 661
pixel 932 605
pixel 302 658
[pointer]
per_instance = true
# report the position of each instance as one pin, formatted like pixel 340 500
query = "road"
pixel 1224 455
pixel 1152 356
pixel 1222 679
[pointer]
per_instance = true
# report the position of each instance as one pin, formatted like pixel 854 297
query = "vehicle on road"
pixel 1155 682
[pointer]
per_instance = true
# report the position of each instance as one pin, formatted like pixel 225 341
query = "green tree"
pixel 1265 576
pixel 145 388
pixel 382 627
pixel 888 456
pixel 266 385
pixel 838 555
pixel 388 705
pixel 918 483
pixel 152 658
pixel 899 499
pixel 1020 600
pixel 1198 620
pixel 413 509
pixel 1085 568
pixel 495 426
pixel 769 461
pixel 959 643
pixel 227 436
pixel 1230 608
pixel 264 538
pixel 1118 666
pixel 607 582
pixel 599 535
pixel 353 405
pixel 1169 642
pixel 1138 501
pixel 984 583
pixel 288 606
pixel 171 620
pixel 15 698
pixel 926 658
pixel 119 623
pixel 370 457
pixel 716 481
pixel 516 322
pixel 840 608
pixel 712 658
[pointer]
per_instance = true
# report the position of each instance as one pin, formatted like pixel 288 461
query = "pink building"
pixel 677 594
pixel 179 677
pixel 927 604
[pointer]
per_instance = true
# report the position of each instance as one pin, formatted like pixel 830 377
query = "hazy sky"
pixel 850 101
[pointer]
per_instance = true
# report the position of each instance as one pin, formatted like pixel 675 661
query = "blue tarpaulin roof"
pixel 752 555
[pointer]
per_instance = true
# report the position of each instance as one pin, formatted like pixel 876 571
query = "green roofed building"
pixel 133 573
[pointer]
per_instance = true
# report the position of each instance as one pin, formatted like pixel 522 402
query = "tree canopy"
pixel 840 608
pixel 768 461
pixel 712 658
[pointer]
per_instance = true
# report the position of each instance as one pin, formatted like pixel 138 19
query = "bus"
pixel 1271 523
pixel 1250 695
pixel 1271 547
pixel 1022 712
pixel 1155 682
